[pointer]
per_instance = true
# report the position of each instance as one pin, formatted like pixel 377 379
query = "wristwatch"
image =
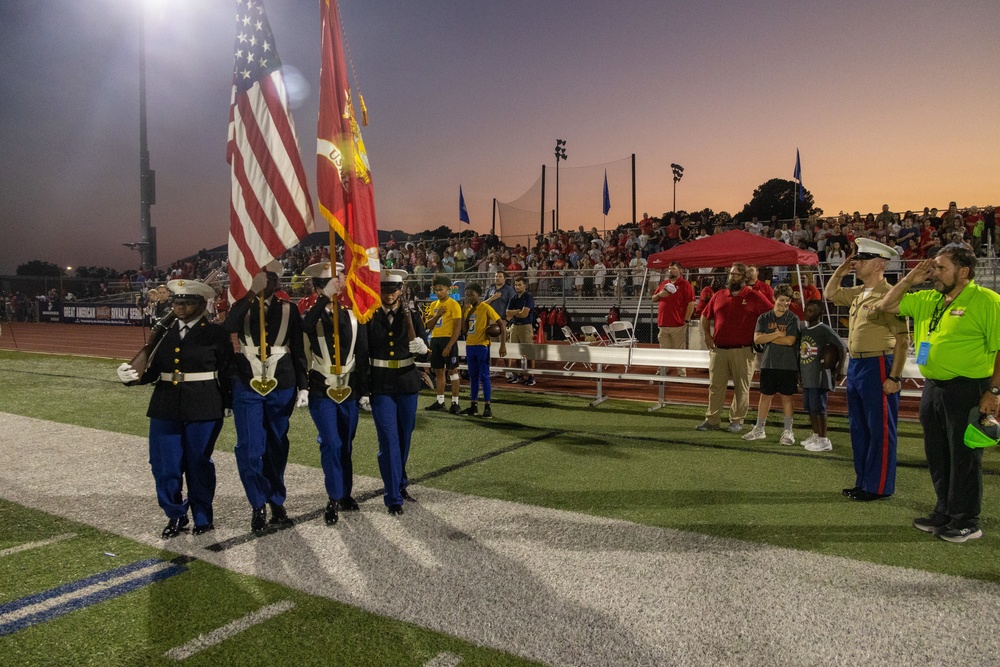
pixel 995 391
pixel 894 379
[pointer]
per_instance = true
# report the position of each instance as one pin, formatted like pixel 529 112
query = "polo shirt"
pixel 672 307
pixel 523 301
pixel 735 316
pixel 966 339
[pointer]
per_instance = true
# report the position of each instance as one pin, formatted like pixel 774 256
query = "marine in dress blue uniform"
pixel 262 418
pixel 333 398
pixel 877 343
pixel 190 395
pixel 393 383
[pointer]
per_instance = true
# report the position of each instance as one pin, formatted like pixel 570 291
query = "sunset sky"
pixel 892 102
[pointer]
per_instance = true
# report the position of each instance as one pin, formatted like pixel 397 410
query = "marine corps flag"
pixel 345 192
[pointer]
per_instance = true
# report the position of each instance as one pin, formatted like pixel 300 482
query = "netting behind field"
pixel 581 201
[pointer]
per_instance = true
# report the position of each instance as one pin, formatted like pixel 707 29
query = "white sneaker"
pixel 682 372
pixel 787 438
pixel 810 440
pixel 821 445
pixel 756 433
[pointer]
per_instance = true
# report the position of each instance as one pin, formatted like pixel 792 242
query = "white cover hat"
pixel 869 249
pixel 191 288
pixel 321 270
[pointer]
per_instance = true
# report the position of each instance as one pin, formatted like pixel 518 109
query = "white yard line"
pixel 228 630
pixel 10 551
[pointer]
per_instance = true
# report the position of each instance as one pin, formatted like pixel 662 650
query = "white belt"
pixel 392 363
pixel 320 367
pixel 177 376
pixel 254 350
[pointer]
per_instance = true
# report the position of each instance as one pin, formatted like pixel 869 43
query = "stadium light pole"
pixel 678 174
pixel 560 155
pixel 147 177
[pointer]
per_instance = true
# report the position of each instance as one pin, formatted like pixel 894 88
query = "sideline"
pixel 554 586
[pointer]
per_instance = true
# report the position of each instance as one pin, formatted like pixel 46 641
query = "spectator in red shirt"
pixel 734 311
pixel 675 304
pixel 759 285
pixel 704 296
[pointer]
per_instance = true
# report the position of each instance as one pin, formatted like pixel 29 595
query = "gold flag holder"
pixel 263 385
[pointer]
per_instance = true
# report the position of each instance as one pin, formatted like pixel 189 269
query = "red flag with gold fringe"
pixel 346 195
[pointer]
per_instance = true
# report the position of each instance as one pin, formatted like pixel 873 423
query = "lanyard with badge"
pixel 924 349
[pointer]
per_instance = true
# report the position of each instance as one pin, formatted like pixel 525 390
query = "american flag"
pixel 270 210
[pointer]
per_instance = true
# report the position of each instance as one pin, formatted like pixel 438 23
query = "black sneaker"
pixel 932 523
pixel 959 534
pixel 529 381
pixel 487 413
pixel 470 411
pixel 455 409
pixel 514 379
pixel 435 407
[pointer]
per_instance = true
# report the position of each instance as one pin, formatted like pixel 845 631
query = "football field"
pixel 556 533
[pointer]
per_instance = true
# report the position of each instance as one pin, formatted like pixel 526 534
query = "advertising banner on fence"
pixel 102 314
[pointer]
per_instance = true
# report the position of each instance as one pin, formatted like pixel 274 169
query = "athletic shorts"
pixel 438 360
pixel 814 400
pixel 776 381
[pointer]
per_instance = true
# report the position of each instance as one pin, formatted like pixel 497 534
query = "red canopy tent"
pixel 729 247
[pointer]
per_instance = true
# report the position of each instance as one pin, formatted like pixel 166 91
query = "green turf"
pixel 616 460
pixel 139 627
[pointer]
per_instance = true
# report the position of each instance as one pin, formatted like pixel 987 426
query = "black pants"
pixel 956 470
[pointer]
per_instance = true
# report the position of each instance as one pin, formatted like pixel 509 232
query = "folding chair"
pixel 573 340
pixel 589 331
pixel 622 334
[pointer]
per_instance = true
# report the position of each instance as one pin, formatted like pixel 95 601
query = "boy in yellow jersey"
pixel 478 317
pixel 445 324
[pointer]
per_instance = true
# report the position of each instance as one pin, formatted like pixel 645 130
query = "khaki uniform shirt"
pixel 870 331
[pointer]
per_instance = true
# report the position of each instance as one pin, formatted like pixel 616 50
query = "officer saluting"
pixel 185 413
pixel 395 335
pixel 265 391
pixel 335 386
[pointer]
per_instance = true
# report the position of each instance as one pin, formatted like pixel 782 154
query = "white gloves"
pixel 418 346
pixel 259 283
pixel 331 288
pixel 302 398
pixel 365 404
pixel 127 374
pixel 670 287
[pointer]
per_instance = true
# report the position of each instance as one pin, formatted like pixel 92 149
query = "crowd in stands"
pixel 610 264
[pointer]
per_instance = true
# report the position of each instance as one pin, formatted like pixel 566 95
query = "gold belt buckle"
pixel 177 376
pixel 394 363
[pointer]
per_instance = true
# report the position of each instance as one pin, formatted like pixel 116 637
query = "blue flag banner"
pixel 463 213
pixel 797 175
pixel 607 197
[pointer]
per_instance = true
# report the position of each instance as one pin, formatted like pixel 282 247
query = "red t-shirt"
pixel 704 297
pixel 673 307
pixel 736 316
pixel 763 288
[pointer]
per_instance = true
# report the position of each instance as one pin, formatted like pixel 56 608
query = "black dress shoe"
pixel 201 530
pixel 348 504
pixel 407 496
pixel 395 510
pixel 867 496
pixel 278 515
pixel 330 515
pixel 174 527
pixel 258 522
pixel 850 492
